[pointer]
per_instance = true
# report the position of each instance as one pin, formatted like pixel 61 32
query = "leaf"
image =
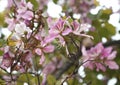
pixel 105 14
pixel 70 20
pixel 25 78
pixel 58 82
pixel 11 41
pixel 2 17
pixel 73 81
pixel 110 28
pixel 2 42
pixel 51 80
pixel 96 2
pixel 55 1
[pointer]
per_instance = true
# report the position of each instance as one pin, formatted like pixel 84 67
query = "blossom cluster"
pixel 30 38
pixel 82 8
pixel 99 58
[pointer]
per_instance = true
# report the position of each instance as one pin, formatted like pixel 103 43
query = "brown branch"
pixel 112 43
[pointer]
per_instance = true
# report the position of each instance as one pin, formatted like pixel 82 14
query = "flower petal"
pixel 112 55
pixel 48 49
pixel 38 51
pixel 42 59
pixel 107 51
pixel 112 64
pixel 67 31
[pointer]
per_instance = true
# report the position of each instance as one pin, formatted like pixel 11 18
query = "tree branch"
pixel 112 43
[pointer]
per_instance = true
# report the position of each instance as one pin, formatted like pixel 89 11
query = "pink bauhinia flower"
pixel 25 10
pixel 43 48
pixel 99 57
pixel 11 23
pixel 58 30
pixel 80 29
pixel 7 60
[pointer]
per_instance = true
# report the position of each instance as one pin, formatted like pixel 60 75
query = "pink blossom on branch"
pixel 11 23
pixel 25 10
pixel 99 58
pixel 79 29
pixel 43 48
pixel 59 30
pixel 7 60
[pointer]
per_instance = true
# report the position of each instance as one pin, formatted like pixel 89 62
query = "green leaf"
pixel 110 28
pixel 55 1
pixel 70 20
pixel 2 82
pixel 51 80
pixel 105 14
pixel 73 82
pixel 2 17
pixel 58 82
pixel 25 78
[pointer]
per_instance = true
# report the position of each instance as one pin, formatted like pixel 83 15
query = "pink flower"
pixel 51 67
pixel 99 57
pixel 6 61
pixel 24 10
pixel 10 3
pixel 58 30
pixel 42 49
pixel 42 3
pixel 11 23
pixel 80 29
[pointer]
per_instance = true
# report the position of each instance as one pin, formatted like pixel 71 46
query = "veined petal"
pixel 99 66
pixel 48 49
pixel 42 59
pixel 106 51
pixel 50 38
pixel 112 64
pixel 67 31
pixel 84 52
pixel 28 15
pixel 112 55
pixel 99 48
pixel 38 51
pixel 61 40
pixel 29 5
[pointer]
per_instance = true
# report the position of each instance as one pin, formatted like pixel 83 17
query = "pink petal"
pixel 67 31
pixel 42 59
pixel 29 5
pixel 44 79
pixel 11 23
pixel 107 51
pixel 99 48
pixel 50 38
pixel 100 67
pixel 38 51
pixel 84 52
pixel 112 64
pixel 48 49
pixel 112 55
pixel 28 15
pixel 75 25
pixel 61 40
pixel 89 65
pixel 10 3
pixel 60 24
